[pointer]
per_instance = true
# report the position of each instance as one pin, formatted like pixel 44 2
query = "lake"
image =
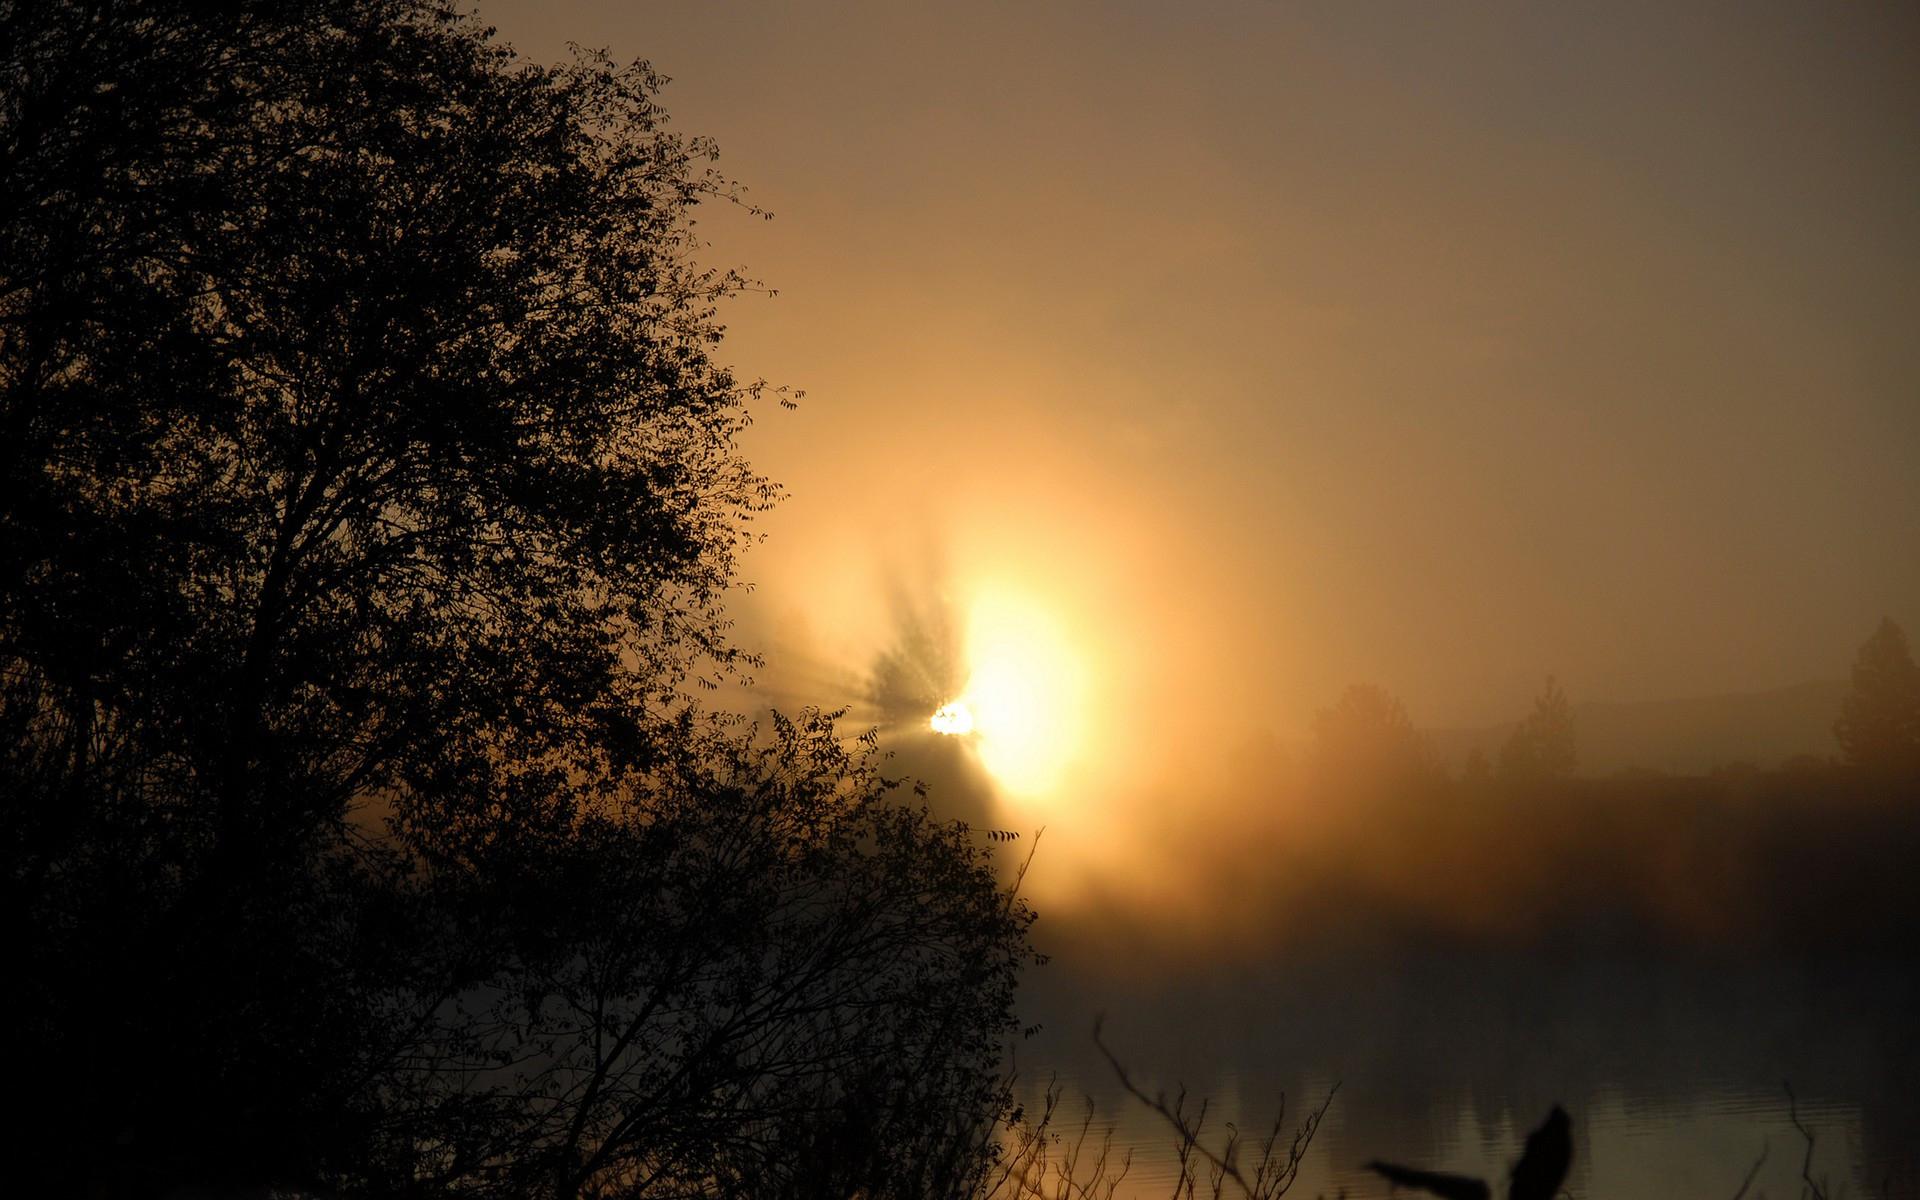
pixel 1675 1068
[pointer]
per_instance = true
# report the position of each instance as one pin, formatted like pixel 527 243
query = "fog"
pixel 1265 349
pixel 1225 356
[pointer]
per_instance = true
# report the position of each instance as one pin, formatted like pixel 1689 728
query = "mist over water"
pixel 1363 514
pixel 1663 955
pixel 1662 958
pixel 1264 349
pixel 1673 1067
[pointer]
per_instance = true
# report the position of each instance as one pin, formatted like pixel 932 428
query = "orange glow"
pixel 1024 693
pixel 1181 463
pixel 953 718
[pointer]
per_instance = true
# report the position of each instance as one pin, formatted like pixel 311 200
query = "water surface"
pixel 1675 1068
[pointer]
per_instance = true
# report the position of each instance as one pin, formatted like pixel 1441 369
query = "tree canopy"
pixel 1879 724
pixel 1367 743
pixel 370 497
pixel 1543 747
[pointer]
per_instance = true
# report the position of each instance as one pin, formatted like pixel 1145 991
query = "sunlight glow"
pixel 954 718
pixel 1024 693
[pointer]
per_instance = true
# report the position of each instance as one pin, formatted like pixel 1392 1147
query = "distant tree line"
pixel 1366 741
pixel 1812 856
pixel 368 496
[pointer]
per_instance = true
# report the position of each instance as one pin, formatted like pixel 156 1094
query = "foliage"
pixel 1879 725
pixel 1543 746
pixel 370 494
pixel 768 979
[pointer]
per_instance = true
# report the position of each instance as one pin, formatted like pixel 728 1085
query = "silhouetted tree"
pixel 368 493
pixel 1879 725
pixel 1366 741
pixel 1543 747
pixel 767 980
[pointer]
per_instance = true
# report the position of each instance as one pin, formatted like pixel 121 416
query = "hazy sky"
pixel 1262 348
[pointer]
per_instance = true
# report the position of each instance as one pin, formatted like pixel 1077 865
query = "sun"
pixel 953 718
pixel 1021 705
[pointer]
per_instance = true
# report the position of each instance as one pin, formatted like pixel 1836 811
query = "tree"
pixel 1367 743
pixel 1879 725
pixel 770 980
pixel 1543 747
pixel 370 495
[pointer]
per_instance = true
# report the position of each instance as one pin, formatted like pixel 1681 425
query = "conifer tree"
pixel 1879 725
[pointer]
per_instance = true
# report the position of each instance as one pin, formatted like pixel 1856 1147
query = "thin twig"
pixel 1752 1174
pixel 1268 1181
pixel 1806 1164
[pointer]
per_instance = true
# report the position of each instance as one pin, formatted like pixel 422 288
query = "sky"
pixel 1238 352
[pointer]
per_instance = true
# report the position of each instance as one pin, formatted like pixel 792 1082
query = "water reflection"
pixel 1673 1068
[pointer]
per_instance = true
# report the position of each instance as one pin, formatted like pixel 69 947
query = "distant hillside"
pixel 1683 737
